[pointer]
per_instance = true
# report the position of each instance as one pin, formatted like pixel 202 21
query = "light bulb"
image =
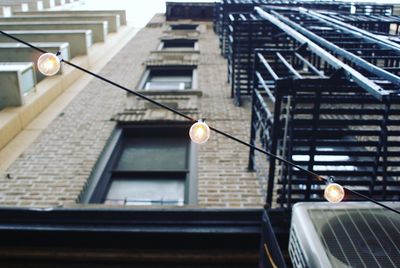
pixel 48 64
pixel 199 132
pixel 334 192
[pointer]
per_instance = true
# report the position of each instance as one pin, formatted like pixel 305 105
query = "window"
pixel 169 78
pixel 147 166
pixel 146 192
pixel 179 44
pixel 184 26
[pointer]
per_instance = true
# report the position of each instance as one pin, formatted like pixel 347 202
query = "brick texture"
pixel 55 169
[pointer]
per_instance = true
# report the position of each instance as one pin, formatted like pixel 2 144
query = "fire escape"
pixel 323 79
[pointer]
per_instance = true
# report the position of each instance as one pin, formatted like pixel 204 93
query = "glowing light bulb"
pixel 334 192
pixel 48 64
pixel 199 132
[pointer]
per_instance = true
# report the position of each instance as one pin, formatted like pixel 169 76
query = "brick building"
pixel 56 168
pixel 92 175
pixel 80 160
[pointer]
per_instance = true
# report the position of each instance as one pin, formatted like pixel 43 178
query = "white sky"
pixel 139 12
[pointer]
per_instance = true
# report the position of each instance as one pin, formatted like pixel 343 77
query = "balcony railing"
pixel 309 111
pixel 241 30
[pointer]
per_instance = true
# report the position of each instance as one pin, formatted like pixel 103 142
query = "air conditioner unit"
pixel 348 234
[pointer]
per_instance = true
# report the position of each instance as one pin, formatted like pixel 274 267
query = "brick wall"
pixel 56 167
pixel 223 176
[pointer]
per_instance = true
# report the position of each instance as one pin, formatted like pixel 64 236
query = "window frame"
pixel 101 178
pixel 190 27
pixel 146 76
pixel 195 47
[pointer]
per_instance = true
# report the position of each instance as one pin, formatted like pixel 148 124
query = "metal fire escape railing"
pixel 224 9
pixel 385 29
pixel 325 94
pixel 369 9
pixel 378 24
pixel 217 13
pixel 240 31
pixel 247 31
pixel 375 59
pixel 323 114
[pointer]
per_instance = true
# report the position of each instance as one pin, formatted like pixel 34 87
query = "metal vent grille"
pixel 295 252
pixel 359 237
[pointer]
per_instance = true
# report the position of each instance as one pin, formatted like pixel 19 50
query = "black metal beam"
pixel 131 228
pixel 377 91
pixel 368 36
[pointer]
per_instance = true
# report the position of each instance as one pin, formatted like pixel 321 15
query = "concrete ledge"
pixel 184 92
pixel 180 51
pixel 79 41
pixel 16 80
pixel 17 52
pixel 99 28
pixel 18 120
pixel 113 20
pixel 10 125
pixel 121 13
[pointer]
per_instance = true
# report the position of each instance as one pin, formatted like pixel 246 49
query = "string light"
pixel 333 191
pixel 48 64
pixel 199 132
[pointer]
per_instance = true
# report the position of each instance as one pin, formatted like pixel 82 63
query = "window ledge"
pixel 171 92
pixel 185 51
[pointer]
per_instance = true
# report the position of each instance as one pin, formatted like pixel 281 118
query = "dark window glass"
pixel 147 167
pixel 179 43
pixel 153 154
pixel 184 26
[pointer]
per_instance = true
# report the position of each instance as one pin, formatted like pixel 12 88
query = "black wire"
pixel 130 91
pixel 194 120
pixel 23 42
pixel 372 200
pixel 318 177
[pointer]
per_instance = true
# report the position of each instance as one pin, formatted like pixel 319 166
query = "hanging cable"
pixel 23 42
pixel 313 174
